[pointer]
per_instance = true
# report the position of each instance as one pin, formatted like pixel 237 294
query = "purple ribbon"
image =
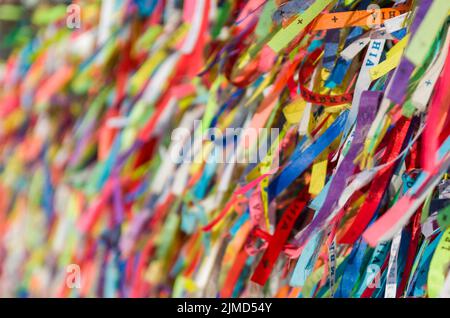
pixel 369 103
pixel 398 91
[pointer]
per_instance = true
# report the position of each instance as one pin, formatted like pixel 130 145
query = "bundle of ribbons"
pixel 225 148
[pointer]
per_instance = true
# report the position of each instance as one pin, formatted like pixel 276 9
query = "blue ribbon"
pixel 305 158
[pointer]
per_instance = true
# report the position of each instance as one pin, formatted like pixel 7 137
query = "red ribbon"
pixel 308 95
pixel 278 240
pixel 378 187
